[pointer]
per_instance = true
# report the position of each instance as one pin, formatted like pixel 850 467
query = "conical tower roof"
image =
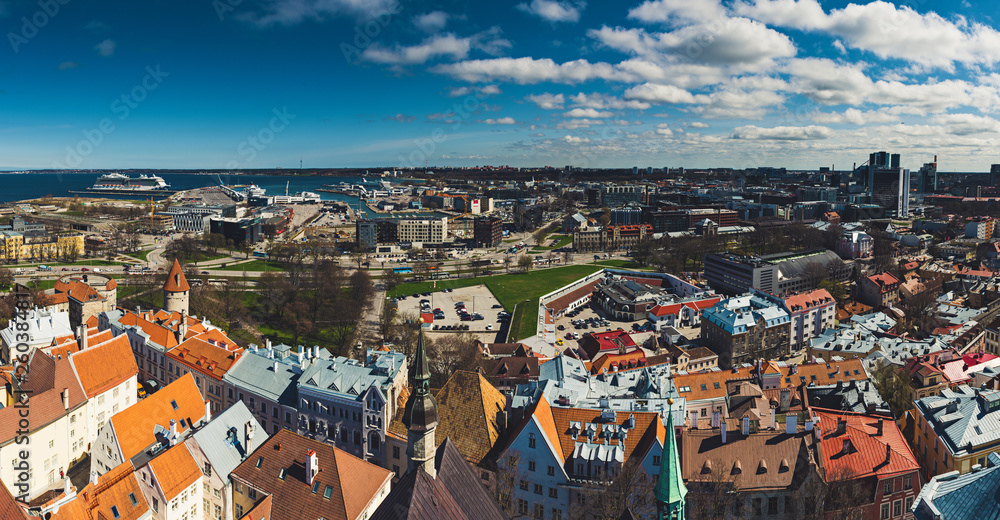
pixel 176 282
pixel 421 408
pixel 670 489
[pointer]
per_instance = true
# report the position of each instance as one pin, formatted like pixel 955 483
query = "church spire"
pixel 420 415
pixel 670 490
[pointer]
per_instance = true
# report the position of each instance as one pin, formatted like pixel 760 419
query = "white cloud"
pixel 552 10
pixel 699 124
pixel 967 124
pixel 659 94
pixel 501 121
pixel 528 70
pixel 292 12
pixel 490 90
pixel 547 101
pixel 664 130
pixel 571 139
pixel 487 90
pixel 106 48
pixel 441 45
pixel 604 101
pixel 677 10
pixel 855 117
pixel 886 30
pixel 575 124
pixel 587 112
pixel 431 22
pixel 782 133
pixel 727 40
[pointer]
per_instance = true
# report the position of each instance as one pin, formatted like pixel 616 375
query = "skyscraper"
pixel 995 175
pixel 927 177
pixel 888 184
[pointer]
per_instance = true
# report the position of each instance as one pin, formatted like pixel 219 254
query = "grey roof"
pixel 853 396
pixel 974 495
pixel 255 372
pixel 960 419
pixel 223 438
pixel 349 379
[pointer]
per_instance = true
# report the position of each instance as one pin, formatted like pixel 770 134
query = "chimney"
pixel 774 418
pixel 694 419
pixel 267 343
pixel 83 337
pixel 716 416
pixel 879 428
pixel 795 369
pixel 300 354
pixel 93 477
pixel 253 347
pixel 790 420
pixel 247 436
pixel 67 486
pixel 846 447
pixel 888 452
pixel 208 412
pixel 173 432
pixel 65 398
pixel 312 466
pixel 274 366
pixel 841 426
pixel 722 426
pixel 502 419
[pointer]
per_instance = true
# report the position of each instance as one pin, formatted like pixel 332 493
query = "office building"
pixel 613 196
pixel 745 329
pixel 889 184
pixel 779 273
pixel 487 231
pixel 927 181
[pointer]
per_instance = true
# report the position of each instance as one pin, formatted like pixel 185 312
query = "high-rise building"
pixel 927 177
pixel 888 184
pixel 488 231
pixel 995 175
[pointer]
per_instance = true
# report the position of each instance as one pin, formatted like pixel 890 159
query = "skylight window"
pixel 328 492
pixel 131 497
pixel 260 460
pixel 315 486
pixel 174 404
pixel 114 511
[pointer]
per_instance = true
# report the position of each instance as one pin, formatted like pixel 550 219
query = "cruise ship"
pixel 120 182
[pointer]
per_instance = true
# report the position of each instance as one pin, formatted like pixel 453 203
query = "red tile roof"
pixel 112 490
pixel 176 282
pixel 48 378
pixel 884 281
pixel 867 453
pixel 211 360
pixel 9 508
pixel 808 300
pixel 617 362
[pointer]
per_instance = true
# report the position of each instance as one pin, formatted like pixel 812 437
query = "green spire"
pixel 670 489
pixel 422 372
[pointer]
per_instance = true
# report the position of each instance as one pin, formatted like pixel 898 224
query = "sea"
pixel 23 186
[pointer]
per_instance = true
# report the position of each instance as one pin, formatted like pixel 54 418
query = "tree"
pixel 391 280
pixel 895 387
pixel 714 493
pixel 815 272
pixel 420 270
pixel 835 289
pixel 508 475
pixel 631 488
pixel 6 278
pixel 539 236
pixel 297 315
pixel 524 263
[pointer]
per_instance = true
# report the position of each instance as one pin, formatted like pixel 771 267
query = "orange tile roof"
pixel 134 425
pixel 157 333
pixel 175 470
pixel 9 508
pixel 614 362
pixel 105 366
pixel 212 360
pixel 111 285
pixel 83 292
pixel 176 282
pixel 555 425
pixel 112 490
pixel 808 300
pixel 825 373
pixel 868 450
pixel 710 384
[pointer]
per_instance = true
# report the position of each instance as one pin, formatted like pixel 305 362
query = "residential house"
pixel 972 496
pixel 45 325
pixel 811 313
pixel 166 415
pixel 115 495
pixel 218 448
pixel 350 404
pixel 108 375
pixel 955 430
pixel 879 291
pixel 746 328
pixel 171 483
pixel 867 450
pixel 207 356
pixel 291 477
pixel 52 404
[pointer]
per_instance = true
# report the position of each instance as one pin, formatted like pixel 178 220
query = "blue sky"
pixel 379 83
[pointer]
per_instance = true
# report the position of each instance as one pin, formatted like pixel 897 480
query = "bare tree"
pixel 508 475
pixel 714 493
pixel 630 488
pixel 524 262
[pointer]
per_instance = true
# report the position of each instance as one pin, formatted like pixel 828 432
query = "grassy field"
pixel 625 264
pixel 253 265
pixel 510 289
pixel 140 255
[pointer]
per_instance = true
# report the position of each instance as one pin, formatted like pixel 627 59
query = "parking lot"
pixel 588 319
pixel 476 299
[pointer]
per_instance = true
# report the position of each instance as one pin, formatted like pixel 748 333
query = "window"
pixel 756 507
pixel 908 482
pixel 260 460
pixel 552 471
pixel 174 404
pixel 897 508
pixel 288 417
pixel 281 474
pixel 315 486
pixel 263 408
pixel 531 465
pixel 252 493
pixel 156 505
pixel 114 511
pixel 772 505
pixel 524 485
pixel 884 514
pixel 52 444
pixel 539 511
pixel 328 492
pixel 253 403
pixel 909 503
pixel 656 460
pixel 522 506
pixel 887 487
pixel 131 498
pixel 553 493
pixel 395 452
pixel 556 514
pixel 538 489
pixel 531 440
